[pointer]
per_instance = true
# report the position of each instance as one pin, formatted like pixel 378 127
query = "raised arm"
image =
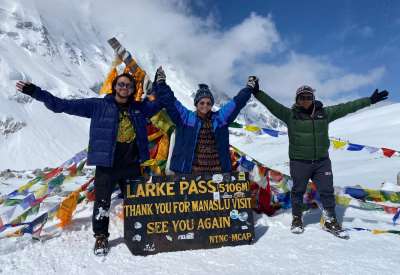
pixel 77 107
pixel 280 111
pixel 341 110
pixel 178 113
pixel 230 110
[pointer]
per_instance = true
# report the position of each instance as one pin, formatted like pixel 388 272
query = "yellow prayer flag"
pixel 343 200
pixel 27 186
pixel 394 197
pixel 107 84
pixel 338 144
pixel 163 148
pixel 149 162
pixel 252 128
pixel 375 195
pixel 41 191
pixel 155 135
pixel 162 121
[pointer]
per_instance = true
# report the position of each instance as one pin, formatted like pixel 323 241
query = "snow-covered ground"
pixel 276 251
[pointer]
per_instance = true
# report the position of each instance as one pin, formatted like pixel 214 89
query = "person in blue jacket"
pixel 118 141
pixel 202 136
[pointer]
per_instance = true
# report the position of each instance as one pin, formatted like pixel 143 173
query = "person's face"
pixel 204 106
pixel 305 100
pixel 123 88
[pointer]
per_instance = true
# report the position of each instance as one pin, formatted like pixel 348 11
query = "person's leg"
pixel 122 186
pixel 104 185
pixel 323 178
pixel 126 174
pixel 300 173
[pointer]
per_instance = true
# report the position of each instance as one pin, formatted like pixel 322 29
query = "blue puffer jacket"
pixel 104 114
pixel 188 125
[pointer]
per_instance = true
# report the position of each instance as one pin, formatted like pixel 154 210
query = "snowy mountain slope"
pixel 68 57
pixel 30 52
pixel 63 48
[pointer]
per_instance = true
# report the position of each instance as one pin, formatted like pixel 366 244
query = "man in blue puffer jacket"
pixel 202 136
pixel 117 144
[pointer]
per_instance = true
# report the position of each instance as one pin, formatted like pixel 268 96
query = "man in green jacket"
pixel 307 122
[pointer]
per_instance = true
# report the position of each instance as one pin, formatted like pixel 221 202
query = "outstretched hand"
pixel 252 82
pixel 160 76
pixel 25 87
pixel 378 96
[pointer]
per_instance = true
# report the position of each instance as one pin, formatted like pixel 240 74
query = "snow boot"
pixel 331 225
pixel 297 225
pixel 101 245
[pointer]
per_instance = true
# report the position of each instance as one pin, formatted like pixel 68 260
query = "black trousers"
pixel 320 172
pixel 106 178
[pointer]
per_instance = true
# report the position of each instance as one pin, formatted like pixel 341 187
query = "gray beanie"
pixel 305 89
pixel 203 92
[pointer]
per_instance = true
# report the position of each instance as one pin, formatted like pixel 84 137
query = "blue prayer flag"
pixel 270 132
pixel 355 147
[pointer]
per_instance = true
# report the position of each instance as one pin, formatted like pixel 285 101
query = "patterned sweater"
pixel 206 158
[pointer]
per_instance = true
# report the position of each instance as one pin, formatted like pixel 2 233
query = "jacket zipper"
pixel 315 141
pixel 115 138
pixel 314 137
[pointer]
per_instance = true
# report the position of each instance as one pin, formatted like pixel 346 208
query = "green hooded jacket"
pixel 308 133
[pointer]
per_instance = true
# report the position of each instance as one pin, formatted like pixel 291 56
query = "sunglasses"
pixel 125 85
pixel 306 97
pixel 208 103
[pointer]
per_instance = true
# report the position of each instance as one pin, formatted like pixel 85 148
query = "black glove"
pixel 29 89
pixel 160 76
pixel 378 96
pixel 252 82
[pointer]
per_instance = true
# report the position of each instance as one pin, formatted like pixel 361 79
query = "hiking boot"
pixel 101 245
pixel 297 225
pixel 331 225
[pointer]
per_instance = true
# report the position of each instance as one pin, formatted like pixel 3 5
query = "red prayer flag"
pixel 151 129
pixel 262 170
pixel 262 198
pixel 73 170
pixel 52 173
pixel 390 210
pixel 388 152
pixel 275 175
pixel 153 151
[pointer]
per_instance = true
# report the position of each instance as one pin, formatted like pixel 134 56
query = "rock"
pixel 37 173
pixel 7 174
pixel 10 126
